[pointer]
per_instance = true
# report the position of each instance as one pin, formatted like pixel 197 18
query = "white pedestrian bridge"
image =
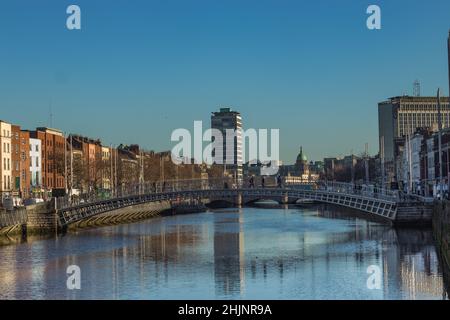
pixel 386 204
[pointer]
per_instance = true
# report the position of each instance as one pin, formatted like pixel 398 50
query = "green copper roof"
pixel 301 156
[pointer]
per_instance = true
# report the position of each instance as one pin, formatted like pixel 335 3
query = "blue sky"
pixel 139 69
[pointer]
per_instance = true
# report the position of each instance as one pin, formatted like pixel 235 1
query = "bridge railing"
pixel 223 183
pixel 349 188
pixel 146 188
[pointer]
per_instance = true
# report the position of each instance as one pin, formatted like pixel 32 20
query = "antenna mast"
pixel 416 89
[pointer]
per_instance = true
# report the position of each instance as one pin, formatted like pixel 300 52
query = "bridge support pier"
pixel 285 199
pixel 239 199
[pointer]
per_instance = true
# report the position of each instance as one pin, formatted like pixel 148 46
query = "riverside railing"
pixel 14 217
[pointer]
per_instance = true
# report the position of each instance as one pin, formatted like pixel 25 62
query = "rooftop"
pixel 406 98
pixel 50 130
pixel 224 111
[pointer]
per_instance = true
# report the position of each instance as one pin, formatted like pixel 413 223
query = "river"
pixel 317 252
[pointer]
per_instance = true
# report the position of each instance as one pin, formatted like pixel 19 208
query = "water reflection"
pixel 229 250
pixel 252 253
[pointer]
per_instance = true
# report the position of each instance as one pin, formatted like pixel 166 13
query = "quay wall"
pixel 441 230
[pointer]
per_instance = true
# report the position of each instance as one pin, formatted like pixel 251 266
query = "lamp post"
pixel 440 141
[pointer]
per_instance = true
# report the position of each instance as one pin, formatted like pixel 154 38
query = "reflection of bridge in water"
pixel 374 202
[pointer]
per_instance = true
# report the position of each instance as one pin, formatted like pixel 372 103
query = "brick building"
pixel 20 162
pixel 53 158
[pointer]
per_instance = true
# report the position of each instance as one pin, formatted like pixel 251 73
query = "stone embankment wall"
pixel 42 218
pixel 414 214
pixel 441 229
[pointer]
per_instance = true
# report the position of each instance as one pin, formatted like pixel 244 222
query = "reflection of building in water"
pixel 410 262
pixel 229 262
pixel 158 253
pixel 416 281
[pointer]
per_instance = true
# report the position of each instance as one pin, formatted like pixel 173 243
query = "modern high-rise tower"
pixel 228 121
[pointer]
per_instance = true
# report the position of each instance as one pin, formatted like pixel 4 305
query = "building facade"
pixel 5 152
pixel 25 164
pixel 15 160
pixel 20 162
pixel 227 121
pixel 36 167
pixel 399 117
pixel 106 168
pixel 53 158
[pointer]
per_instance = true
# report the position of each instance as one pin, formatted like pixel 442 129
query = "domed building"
pixel 301 165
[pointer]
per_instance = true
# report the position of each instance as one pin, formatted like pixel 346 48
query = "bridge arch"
pixel 378 206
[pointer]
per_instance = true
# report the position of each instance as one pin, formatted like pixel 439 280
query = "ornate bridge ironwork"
pixel 375 202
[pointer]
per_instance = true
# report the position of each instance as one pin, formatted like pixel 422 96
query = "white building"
pixel 106 168
pixel 36 164
pixel 5 153
pixel 410 163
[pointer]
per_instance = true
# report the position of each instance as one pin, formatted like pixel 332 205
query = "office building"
pixel 399 117
pixel 228 121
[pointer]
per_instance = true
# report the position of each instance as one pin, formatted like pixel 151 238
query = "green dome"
pixel 301 156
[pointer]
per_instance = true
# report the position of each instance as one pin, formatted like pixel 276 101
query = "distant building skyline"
pixel 134 73
pixel 401 116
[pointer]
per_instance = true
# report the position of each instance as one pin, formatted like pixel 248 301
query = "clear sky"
pixel 139 69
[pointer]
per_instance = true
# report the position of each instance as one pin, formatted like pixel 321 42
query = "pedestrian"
pixel 279 181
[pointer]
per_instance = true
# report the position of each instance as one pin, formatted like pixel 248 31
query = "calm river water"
pixel 251 253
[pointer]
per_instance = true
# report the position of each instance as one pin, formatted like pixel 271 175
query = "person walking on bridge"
pixel 279 181
pixel 252 182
